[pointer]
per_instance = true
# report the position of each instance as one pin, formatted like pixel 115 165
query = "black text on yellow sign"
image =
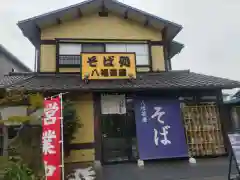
pixel 108 65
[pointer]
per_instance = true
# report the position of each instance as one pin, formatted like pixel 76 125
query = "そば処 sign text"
pixel 108 66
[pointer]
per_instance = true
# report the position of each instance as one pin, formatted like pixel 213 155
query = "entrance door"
pixel 118 137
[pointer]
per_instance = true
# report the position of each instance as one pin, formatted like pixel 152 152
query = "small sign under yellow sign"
pixel 108 65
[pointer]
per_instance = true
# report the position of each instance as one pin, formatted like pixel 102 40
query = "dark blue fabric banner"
pixel 160 131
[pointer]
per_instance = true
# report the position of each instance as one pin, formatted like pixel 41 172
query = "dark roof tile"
pixel 162 80
pixel 11 79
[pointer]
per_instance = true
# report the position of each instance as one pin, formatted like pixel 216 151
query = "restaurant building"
pixel 115 61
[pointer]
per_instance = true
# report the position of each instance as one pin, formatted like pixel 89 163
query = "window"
pixel 116 48
pixel 69 53
pixel 93 48
pixel 141 50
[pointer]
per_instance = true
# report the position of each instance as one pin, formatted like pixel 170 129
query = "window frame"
pixel 60 65
pixel 104 43
pixel 126 47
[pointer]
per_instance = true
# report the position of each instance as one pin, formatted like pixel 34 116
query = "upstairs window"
pixel 141 50
pixel 69 53
pixel 93 48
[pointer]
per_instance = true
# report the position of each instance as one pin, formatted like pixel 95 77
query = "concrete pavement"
pixel 205 169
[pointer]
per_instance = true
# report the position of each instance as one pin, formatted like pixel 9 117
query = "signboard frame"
pixel 232 157
pixel 109 53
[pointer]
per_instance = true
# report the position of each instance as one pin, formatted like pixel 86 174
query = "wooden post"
pixel 5 140
pixel 224 118
pixel 167 60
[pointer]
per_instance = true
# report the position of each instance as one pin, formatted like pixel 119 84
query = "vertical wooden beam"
pixel 125 14
pixel 35 60
pixel 38 47
pixel 165 48
pixel 38 57
pixel 79 13
pixel 57 57
pixel 97 126
pixel 224 119
pixel 5 140
pixel 150 55
pixel 146 23
pixel 169 59
pixel 104 11
pixel 58 21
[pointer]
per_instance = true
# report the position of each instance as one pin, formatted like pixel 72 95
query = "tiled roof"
pixel 144 81
pixel 11 79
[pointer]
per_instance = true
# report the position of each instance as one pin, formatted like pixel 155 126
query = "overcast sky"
pixel 211 31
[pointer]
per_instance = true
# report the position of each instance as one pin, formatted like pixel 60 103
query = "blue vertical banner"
pixel 160 130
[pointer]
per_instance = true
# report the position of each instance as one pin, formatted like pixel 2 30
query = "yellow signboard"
pixel 108 65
